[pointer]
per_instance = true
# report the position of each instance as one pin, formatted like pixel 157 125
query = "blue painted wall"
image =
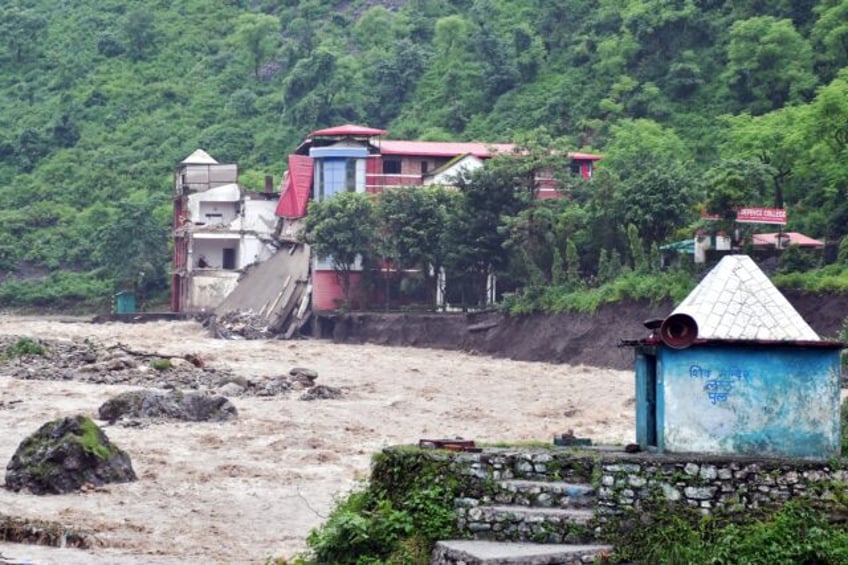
pixel 765 400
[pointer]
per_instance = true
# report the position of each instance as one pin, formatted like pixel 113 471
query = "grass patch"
pixel 23 347
pixel 160 364
pixel 673 285
pixel 831 278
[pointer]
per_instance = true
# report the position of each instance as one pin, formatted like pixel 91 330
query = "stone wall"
pixel 727 486
pixel 591 494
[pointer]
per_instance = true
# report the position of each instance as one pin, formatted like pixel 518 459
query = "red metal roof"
pixel 348 129
pixel 453 149
pixel 441 149
pixel 795 238
pixel 296 187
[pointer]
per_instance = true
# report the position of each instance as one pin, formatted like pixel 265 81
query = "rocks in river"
pixel 321 392
pixel 66 455
pixel 174 404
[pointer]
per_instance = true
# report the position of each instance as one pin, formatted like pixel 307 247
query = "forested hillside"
pixel 692 102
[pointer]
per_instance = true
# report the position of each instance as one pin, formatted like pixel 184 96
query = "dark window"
pixel 575 168
pixel 350 175
pixel 424 167
pixel 229 258
pixel 391 166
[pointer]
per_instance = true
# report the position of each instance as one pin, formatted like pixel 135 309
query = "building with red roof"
pixel 358 159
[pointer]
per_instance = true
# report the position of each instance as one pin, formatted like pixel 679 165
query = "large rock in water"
pixel 189 406
pixel 64 455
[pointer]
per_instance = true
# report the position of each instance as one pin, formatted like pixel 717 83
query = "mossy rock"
pixel 65 454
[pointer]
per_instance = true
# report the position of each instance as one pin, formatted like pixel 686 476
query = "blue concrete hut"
pixel 736 370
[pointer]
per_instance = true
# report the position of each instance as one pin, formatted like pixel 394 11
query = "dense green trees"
pixel 102 98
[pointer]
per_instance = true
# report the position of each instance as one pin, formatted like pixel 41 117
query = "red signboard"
pixel 761 216
pixel 753 215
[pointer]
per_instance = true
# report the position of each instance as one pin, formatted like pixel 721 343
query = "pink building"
pixel 358 159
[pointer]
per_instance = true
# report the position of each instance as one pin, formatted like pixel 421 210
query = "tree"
pixel 474 241
pixel 410 226
pixel 639 145
pixel 341 230
pixel 830 35
pixel 259 35
pixel 657 200
pixel 769 64
pixel 141 33
pixel 772 139
pixel 20 31
pixel 132 243
pixel 732 184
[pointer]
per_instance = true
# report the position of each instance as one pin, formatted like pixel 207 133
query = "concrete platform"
pixel 474 552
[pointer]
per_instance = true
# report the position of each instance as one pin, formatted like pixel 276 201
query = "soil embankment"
pixel 574 338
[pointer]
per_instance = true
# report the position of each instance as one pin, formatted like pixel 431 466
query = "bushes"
pixel 795 534
pixel 395 520
pixel 56 290
pixel 655 287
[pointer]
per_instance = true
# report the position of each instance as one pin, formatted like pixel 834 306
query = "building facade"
pixel 219 230
pixel 358 159
pixel 736 370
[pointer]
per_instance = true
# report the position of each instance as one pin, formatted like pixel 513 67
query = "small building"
pixel 735 370
pixel 219 230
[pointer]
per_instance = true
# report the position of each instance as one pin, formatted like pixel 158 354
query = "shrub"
pixel 160 364
pixel 24 346
pixel 795 534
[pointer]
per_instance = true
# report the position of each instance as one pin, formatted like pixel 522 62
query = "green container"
pixel 124 302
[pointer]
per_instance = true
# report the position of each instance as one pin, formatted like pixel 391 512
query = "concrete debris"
pixel 270 300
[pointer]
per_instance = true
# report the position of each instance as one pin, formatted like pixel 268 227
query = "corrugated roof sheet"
pixel 296 187
pixel 795 238
pixel 199 157
pixel 453 149
pixel 737 301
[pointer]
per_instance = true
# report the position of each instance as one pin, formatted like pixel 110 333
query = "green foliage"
pixel 102 99
pixel 341 229
pixel 161 365
pixel 22 347
pixel 795 534
pixel 395 520
pixel 671 285
pixel 831 278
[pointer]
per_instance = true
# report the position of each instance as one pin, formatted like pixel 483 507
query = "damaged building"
pixel 220 229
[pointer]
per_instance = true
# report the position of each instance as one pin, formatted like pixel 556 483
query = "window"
pixel 350 175
pixel 391 166
pixel 229 258
pixel 425 166
pixel 575 168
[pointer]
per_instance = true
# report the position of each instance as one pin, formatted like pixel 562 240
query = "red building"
pixel 357 158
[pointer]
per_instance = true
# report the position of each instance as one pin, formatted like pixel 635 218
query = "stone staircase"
pixel 526 515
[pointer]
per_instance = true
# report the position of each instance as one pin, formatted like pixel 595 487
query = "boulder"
pixel 321 392
pixel 65 455
pixel 174 404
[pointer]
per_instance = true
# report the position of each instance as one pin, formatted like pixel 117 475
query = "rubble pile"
pixel 88 361
pixel 241 325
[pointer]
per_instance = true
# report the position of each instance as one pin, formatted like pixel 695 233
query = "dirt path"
pixel 250 489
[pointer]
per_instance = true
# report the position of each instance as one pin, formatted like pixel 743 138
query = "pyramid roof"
pixel 737 301
pixel 199 157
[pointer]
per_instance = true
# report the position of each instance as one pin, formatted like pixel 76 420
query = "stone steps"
pixel 545 494
pixel 526 521
pixel 527 524
pixel 475 552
